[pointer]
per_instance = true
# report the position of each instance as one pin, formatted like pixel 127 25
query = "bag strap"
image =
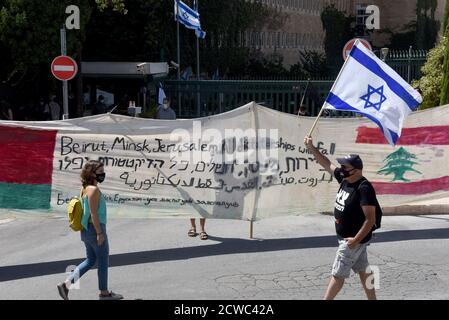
pixel 358 188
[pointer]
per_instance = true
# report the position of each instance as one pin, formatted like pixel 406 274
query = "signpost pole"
pixel 251 229
pixel 65 86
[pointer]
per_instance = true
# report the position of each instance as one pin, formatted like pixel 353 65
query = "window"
pixel 361 14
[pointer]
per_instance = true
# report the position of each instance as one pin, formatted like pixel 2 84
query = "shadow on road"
pixel 225 246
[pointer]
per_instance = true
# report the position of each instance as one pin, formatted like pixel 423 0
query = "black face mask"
pixel 101 177
pixel 344 173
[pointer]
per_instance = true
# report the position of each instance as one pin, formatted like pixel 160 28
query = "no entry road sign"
pixel 64 68
pixel 348 46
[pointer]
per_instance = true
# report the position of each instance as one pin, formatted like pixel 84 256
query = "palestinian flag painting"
pixel 26 162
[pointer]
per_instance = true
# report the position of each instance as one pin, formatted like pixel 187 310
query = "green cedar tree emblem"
pixel 398 164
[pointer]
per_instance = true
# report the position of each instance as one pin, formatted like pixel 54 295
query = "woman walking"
pixel 94 233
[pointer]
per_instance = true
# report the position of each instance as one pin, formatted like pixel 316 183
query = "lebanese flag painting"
pixel 41 163
pixel 26 162
pixel 406 161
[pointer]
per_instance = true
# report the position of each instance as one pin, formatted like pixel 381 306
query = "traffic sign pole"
pixel 65 86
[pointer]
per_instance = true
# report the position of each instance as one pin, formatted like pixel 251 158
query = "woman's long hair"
pixel 87 174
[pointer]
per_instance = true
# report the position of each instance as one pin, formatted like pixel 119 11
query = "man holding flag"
pixel 368 86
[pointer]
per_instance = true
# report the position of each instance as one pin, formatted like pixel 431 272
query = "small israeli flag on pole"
pixel 189 18
pixel 162 95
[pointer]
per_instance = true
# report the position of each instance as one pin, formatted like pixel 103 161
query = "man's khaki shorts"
pixel 347 259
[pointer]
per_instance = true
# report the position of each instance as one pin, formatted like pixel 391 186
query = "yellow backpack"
pixel 75 213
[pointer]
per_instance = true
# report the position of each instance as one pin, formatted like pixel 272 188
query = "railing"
pixel 225 95
pixel 407 63
pixel 279 94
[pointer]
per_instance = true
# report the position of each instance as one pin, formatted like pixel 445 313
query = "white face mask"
pixel 166 106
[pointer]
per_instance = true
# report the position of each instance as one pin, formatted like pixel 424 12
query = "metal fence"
pixel 407 63
pixel 193 99
pixel 221 96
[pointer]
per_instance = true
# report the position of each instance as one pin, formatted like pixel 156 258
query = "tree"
pixel 135 36
pixel 259 65
pixel 431 80
pixel 311 65
pixel 30 31
pixel 399 163
pixel 225 23
pixel 426 25
pixel 338 31
pixel 444 97
pixel 148 32
pixel 446 15
pixel 403 39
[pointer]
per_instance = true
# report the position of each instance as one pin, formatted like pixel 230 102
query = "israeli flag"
pixel 162 95
pixel 368 86
pixel 216 75
pixel 189 18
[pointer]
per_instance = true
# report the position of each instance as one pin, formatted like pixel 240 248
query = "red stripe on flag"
pixel 437 135
pixel 26 155
pixel 412 188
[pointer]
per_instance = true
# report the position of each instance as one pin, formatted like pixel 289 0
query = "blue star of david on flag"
pixel 372 91
pixel 189 17
pixel 388 100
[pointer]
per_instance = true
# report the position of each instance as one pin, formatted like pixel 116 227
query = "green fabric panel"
pixel 25 196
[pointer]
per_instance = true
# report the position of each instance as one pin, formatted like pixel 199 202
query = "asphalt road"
pixel 290 258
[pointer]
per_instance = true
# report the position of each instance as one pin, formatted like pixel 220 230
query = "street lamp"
pixel 384 53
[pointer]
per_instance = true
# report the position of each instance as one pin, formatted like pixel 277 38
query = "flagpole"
pixel 303 96
pixel 179 57
pixel 198 66
pixel 332 89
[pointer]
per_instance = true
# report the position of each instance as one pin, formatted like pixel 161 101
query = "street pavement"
pixel 289 258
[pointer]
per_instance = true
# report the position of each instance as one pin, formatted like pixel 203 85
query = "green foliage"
pixel 269 66
pixel 404 39
pixel 224 23
pixel 139 30
pixel 113 36
pixel 432 76
pixel 31 32
pixel 426 26
pixel 116 5
pixel 445 79
pixel 444 96
pixel 446 15
pixel 338 31
pixel 311 65
pixel 150 110
pixel 149 29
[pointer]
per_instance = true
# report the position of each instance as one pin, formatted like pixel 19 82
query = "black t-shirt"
pixel 348 212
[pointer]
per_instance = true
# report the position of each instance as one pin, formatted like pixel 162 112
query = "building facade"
pixel 395 16
pixel 301 28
